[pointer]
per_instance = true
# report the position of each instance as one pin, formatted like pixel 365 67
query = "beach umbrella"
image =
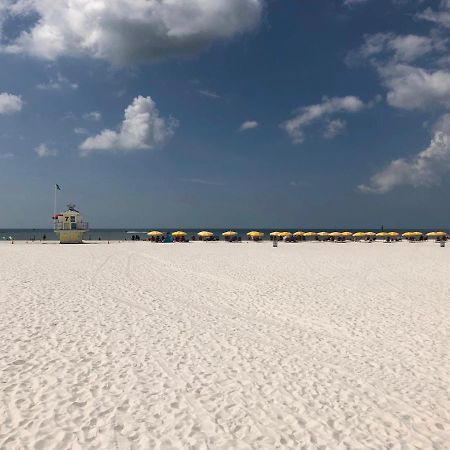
pixel 336 234
pixel 154 233
pixel 359 234
pixel 275 234
pixel 299 233
pixel 412 234
pixel 323 235
pixel 179 234
pixel 285 234
pixel 437 234
pixel 393 234
pixel 310 234
pixel 347 234
pixel 255 234
pixel 382 234
pixel 206 234
pixel 370 233
pixel 229 233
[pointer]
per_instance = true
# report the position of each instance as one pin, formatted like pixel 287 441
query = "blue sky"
pixel 226 113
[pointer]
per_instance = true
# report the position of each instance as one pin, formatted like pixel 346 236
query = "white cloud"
pixel 410 47
pixel 128 31
pixel 5 156
pixel 44 152
pixel 295 127
pixel 423 169
pixel 208 93
pixel 9 103
pixel 441 16
pixel 334 128
pixel 93 115
pixel 409 86
pixel 80 131
pixel 58 83
pixel 400 48
pixel 415 88
pixel 141 129
pixel 249 125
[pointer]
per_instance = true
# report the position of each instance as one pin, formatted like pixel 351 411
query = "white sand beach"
pixel 224 346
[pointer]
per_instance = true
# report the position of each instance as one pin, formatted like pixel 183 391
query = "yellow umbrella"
pixel 178 234
pixel 229 233
pixel 359 234
pixel 205 234
pixel 285 234
pixel 275 233
pixel 255 235
pixel 407 234
pixel 393 234
pixel 441 233
pixel 154 233
pixel 347 234
pixel 299 233
pixel 382 234
pixel 416 233
pixel 370 233
pixel 323 234
pixel 310 234
pixel 336 234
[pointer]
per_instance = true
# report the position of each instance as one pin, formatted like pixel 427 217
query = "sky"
pixel 226 113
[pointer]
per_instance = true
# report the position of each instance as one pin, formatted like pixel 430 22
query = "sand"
pixel 224 346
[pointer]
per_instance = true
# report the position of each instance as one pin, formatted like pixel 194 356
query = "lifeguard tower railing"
pixel 67 226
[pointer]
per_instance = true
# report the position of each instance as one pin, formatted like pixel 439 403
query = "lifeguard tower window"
pixel 73 224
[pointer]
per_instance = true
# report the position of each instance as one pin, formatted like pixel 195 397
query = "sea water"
pixel 122 234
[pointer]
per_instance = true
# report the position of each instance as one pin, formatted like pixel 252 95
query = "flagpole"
pixel 54 207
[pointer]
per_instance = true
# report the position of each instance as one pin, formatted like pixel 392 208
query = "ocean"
pixel 115 234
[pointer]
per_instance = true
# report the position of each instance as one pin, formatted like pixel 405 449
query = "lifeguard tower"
pixel 69 226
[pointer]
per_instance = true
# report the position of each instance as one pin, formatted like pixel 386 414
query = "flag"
pixel 57 187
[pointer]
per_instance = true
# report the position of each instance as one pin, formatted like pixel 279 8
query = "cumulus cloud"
pixel 141 129
pixel 9 103
pixel 127 31
pixel 415 88
pixel 426 168
pixel 44 152
pixel 249 125
pixel 307 115
pixel 408 86
pixel 57 84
